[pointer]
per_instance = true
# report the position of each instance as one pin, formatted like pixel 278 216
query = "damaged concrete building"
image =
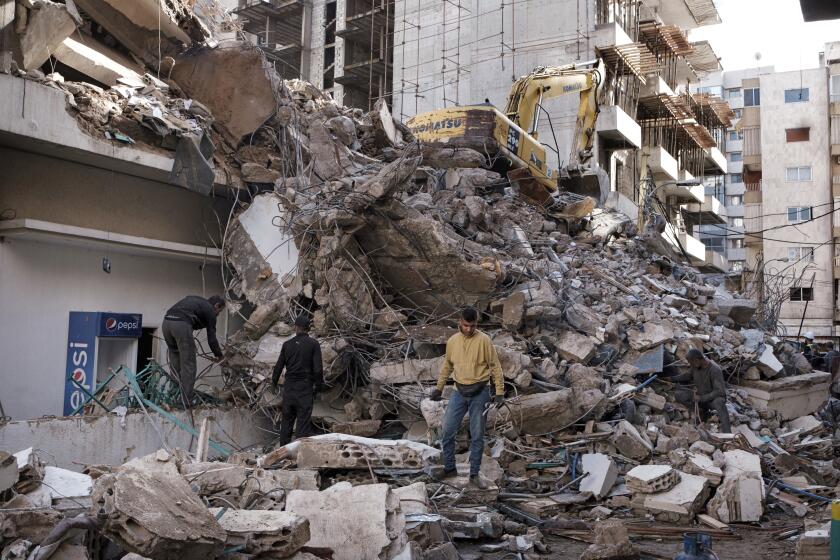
pixel 203 170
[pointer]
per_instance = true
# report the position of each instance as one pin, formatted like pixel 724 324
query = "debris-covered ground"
pixel 340 213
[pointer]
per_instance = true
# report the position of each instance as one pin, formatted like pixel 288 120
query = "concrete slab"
pixel 575 347
pixel 740 499
pixel 8 471
pixel 273 534
pixel 790 397
pixel 630 442
pixel 408 371
pixel 650 479
pixel 751 437
pixel 313 454
pixel 356 522
pixel 92 58
pixel 739 461
pixel 680 503
pixel 48 24
pixel 602 474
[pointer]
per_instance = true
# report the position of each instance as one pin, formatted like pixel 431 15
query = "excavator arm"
pixel 527 94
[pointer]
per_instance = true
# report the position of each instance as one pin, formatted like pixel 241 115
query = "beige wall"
pixel 38 187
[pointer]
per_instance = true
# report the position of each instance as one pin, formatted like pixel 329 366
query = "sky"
pixel 773 28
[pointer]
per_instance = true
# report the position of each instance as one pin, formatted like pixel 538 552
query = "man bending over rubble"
pixel 709 390
pixel 471 359
pixel 301 358
pixel 192 313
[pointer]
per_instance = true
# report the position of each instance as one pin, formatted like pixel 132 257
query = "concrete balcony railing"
pixel 655 86
pixel 665 167
pixel 715 262
pixel 735 211
pixel 735 166
pixel 694 248
pixel 683 193
pixel 610 34
pixel 614 125
pixel 734 145
pixel 710 211
pixel 716 163
pixel 737 254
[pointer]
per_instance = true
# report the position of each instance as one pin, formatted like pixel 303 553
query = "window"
pixel 797 134
pixel 737 113
pixel 795 174
pixel 802 294
pixel 798 214
pixel 736 243
pixel 735 135
pixel 797 254
pixel 736 266
pixel 736 200
pixel 714 243
pixel 733 93
pixel 796 95
pixel 752 97
pixel 736 178
pixel 736 222
pixel 736 156
pixel 835 88
pixel 714 90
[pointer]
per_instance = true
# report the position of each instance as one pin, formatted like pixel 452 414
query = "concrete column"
pixel 340 23
pixel 317 38
pixel 306 42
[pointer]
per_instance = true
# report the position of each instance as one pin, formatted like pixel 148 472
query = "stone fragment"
pixel 544 412
pixel 769 364
pixel 354 521
pixel 575 347
pixel 702 447
pixel 8 471
pixel 630 442
pixel 805 424
pixel 513 311
pixel 48 24
pixel 650 479
pixel 320 454
pixel 788 397
pixel 444 157
pixel 271 534
pixel 364 428
pixel 581 377
pixel 256 173
pixel 611 543
pixel 751 437
pixel 156 515
pixel 583 318
pixel 650 335
pixel 680 503
pixel 703 465
pixel 20 518
pixel 740 499
pixel 408 371
pixel 738 461
pixel 602 474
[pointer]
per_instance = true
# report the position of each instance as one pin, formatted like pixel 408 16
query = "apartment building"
pixel 465 52
pixel 728 239
pixel 791 139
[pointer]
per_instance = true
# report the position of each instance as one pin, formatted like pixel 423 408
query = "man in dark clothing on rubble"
pixel 709 390
pixel 192 313
pixel 301 357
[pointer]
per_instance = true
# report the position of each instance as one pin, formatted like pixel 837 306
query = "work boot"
pixel 447 474
pixel 478 482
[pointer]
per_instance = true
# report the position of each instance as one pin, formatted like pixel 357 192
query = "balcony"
pixel 655 86
pixel 617 127
pixel 736 254
pixel 735 211
pixel 735 166
pixel 715 163
pixel 665 166
pixel 694 248
pixel 835 131
pixel 736 102
pixel 734 145
pixel 710 211
pixel 714 262
pixel 753 221
pixel 682 193
pixel 609 34
pixel 688 14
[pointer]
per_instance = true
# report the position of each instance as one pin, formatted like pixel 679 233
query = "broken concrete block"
pixel 650 335
pixel 738 461
pixel 575 347
pixel 256 173
pixel 611 542
pixel 414 499
pixel 680 503
pixel 513 311
pixel 739 310
pixel 315 454
pixel 20 518
pixel 580 376
pixel 156 515
pixel 789 397
pixel 544 412
pixel 474 522
pixel 702 447
pixel 630 442
pixel 274 534
pixel 752 439
pixel 769 364
pixel 214 478
pixel 650 479
pixel 48 24
pixel 354 521
pixel 215 77
pixel 583 318
pixel 94 59
pixel 740 499
pixel 364 428
pixel 703 465
pixel 8 471
pixel 407 371
pixel 602 474
pixel 805 424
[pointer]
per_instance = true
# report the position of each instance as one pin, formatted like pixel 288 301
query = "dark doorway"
pixel 145 348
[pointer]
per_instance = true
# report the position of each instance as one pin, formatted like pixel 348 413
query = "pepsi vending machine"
pixel 98 342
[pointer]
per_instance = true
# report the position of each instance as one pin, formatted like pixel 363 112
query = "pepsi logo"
pixel 110 323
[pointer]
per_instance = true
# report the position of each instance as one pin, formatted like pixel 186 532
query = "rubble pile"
pixel 340 213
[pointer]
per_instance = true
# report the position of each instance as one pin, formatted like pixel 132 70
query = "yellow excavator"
pixel 510 139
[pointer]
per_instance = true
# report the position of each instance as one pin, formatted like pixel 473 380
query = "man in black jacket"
pixel 192 313
pixel 709 391
pixel 301 357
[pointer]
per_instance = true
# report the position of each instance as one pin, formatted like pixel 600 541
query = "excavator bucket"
pixel 585 180
pixel 529 187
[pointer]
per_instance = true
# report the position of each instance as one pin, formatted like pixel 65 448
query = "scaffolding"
pixel 279 30
pixel 367 33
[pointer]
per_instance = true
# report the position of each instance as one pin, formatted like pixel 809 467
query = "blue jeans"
pixel 455 411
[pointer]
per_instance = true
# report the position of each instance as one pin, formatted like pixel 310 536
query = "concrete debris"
pixel 679 504
pixel 630 442
pixel 601 474
pixel 354 521
pixel 8 471
pixel 740 499
pixel 611 543
pixel 270 534
pixel 650 479
pixel 157 515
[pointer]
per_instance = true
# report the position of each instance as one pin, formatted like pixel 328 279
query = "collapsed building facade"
pixel 339 212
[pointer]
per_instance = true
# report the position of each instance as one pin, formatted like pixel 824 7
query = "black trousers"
pixel 685 397
pixel 181 345
pixel 298 397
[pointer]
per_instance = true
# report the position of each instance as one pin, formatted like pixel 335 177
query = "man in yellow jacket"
pixel 472 361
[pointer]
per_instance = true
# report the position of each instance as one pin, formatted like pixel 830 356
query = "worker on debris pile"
pixel 192 313
pixel 809 349
pixel 709 391
pixel 301 358
pixel 471 360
